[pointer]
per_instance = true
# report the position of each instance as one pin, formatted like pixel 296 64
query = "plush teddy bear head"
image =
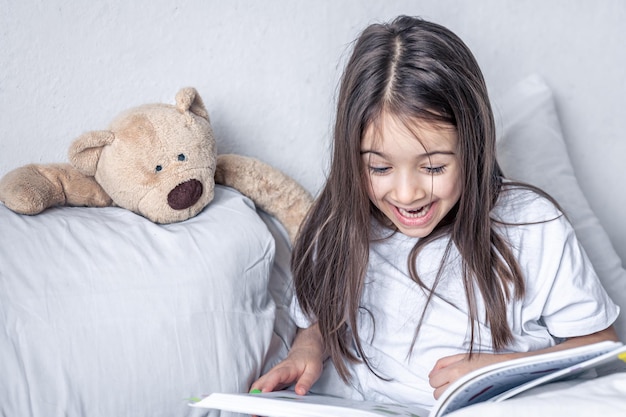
pixel 157 160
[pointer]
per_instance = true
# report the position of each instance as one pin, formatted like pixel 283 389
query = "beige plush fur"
pixel 271 190
pixel 159 161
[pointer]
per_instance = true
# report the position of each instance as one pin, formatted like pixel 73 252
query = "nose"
pixel 409 188
pixel 185 195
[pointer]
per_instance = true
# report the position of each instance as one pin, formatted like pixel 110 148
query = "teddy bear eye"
pixel 158 168
pixel 181 157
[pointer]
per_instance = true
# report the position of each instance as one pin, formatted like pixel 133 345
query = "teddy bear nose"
pixel 185 194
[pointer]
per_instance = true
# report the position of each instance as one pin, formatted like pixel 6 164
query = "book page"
pixel 289 404
pixel 614 361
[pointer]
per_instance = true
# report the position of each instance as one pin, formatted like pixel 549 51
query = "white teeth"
pixel 414 214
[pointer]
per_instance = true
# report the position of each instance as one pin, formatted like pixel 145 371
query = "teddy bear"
pixel 156 160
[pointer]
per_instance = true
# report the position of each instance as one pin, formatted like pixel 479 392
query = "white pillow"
pixel 280 288
pixel 104 313
pixel 531 148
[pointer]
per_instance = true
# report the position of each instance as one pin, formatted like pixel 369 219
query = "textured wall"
pixel 268 70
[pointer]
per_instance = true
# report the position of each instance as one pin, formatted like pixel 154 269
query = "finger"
pixel 448 360
pixel 437 378
pixel 274 380
pixel 306 381
pixel 437 392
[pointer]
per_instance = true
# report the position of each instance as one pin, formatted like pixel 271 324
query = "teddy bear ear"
pixel 85 151
pixel 188 99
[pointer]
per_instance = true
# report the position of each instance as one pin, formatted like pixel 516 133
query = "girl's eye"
pixel 182 157
pixel 436 170
pixel 379 170
pixel 158 168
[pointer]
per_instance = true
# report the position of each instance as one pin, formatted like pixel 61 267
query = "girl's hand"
pixel 303 366
pixel 299 367
pixel 450 368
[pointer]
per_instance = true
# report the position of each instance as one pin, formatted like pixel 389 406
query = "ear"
pixel 85 151
pixel 188 99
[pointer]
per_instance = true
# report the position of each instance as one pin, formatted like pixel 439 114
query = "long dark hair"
pixel 412 69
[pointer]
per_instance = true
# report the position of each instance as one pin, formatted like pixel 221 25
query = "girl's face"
pixel 415 183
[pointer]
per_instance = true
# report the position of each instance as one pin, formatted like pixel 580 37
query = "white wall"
pixel 268 69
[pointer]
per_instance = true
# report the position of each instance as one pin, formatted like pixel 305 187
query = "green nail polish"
pixel 255 391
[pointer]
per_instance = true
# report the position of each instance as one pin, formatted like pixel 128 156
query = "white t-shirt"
pixel 564 298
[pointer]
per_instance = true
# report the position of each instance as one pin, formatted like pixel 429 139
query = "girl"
pixel 419 262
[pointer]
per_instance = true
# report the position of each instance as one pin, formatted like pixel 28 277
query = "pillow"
pixel 531 148
pixel 104 313
pixel 280 288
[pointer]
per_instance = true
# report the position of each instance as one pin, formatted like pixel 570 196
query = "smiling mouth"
pixel 414 214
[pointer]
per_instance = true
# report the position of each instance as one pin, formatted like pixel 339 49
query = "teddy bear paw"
pixel 25 191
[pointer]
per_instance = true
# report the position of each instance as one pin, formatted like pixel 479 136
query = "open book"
pixel 495 382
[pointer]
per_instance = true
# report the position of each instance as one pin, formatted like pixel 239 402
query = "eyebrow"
pixel 427 154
